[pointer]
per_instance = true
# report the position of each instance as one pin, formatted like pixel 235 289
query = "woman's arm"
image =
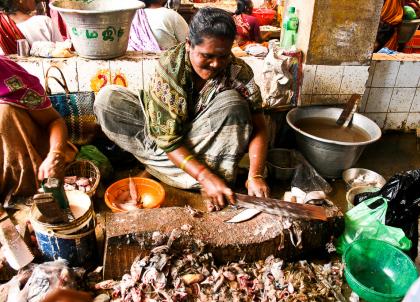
pixel 67 295
pixel 53 164
pixel 257 155
pixel 212 184
pixel 256 31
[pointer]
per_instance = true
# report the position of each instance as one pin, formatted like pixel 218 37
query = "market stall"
pixel 128 217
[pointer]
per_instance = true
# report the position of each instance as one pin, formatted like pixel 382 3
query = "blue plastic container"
pixel 74 241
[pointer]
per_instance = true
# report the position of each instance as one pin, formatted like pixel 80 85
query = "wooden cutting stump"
pixel 136 233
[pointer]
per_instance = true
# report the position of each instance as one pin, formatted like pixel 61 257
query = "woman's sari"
pixel 9 34
pixel 141 36
pixel 247 29
pixel 23 143
pixel 214 125
pixel 19 88
pixel 391 16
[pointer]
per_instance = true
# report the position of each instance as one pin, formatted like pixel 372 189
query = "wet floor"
pixel 394 152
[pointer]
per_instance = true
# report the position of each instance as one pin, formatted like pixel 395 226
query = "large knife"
pixel 280 207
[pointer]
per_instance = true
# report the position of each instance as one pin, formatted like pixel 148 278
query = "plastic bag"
pixel 92 153
pixel 44 278
pixel 366 221
pixel 306 178
pixel 281 79
pixel 403 192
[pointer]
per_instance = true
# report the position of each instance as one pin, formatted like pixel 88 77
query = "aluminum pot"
pixel 281 163
pixel 330 157
pixel 99 29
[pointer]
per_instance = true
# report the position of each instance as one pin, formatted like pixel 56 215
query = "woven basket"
pixel 85 168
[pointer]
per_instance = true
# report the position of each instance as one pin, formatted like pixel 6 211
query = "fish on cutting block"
pixel 280 207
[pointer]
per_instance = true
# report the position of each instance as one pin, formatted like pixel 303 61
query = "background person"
pixel 156 28
pixel 392 15
pixel 201 113
pixel 33 136
pixel 247 26
pixel 17 22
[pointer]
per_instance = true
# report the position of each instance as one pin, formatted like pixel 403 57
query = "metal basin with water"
pixel 330 157
pixel 99 29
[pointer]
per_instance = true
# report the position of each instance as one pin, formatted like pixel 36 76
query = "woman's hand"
pixel 216 189
pixel 258 187
pixel 52 166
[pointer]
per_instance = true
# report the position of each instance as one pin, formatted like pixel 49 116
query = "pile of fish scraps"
pixel 169 275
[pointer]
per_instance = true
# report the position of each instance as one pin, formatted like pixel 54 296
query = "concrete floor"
pixel 394 152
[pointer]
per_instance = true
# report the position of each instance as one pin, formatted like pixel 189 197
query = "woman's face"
pixel 210 57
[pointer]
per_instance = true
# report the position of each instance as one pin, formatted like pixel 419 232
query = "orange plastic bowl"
pixel 151 192
pixel 265 16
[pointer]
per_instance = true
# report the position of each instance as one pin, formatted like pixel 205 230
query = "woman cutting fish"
pixel 200 114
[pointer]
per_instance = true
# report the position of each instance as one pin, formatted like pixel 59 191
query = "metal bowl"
pixel 281 163
pixel 351 194
pixel 99 29
pixel 362 177
pixel 330 157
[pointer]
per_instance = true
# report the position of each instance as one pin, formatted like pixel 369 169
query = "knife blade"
pixel 14 248
pixel 244 215
pixel 280 207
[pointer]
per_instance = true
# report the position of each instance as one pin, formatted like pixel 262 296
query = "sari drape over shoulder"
pixel 9 34
pixel 19 88
pixel 170 103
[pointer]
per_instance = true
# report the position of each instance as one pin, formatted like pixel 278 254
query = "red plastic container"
pixel 413 46
pixel 150 191
pixel 265 16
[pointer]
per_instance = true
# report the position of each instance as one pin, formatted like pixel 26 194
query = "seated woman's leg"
pixel 23 145
pixel 122 119
pixel 218 136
